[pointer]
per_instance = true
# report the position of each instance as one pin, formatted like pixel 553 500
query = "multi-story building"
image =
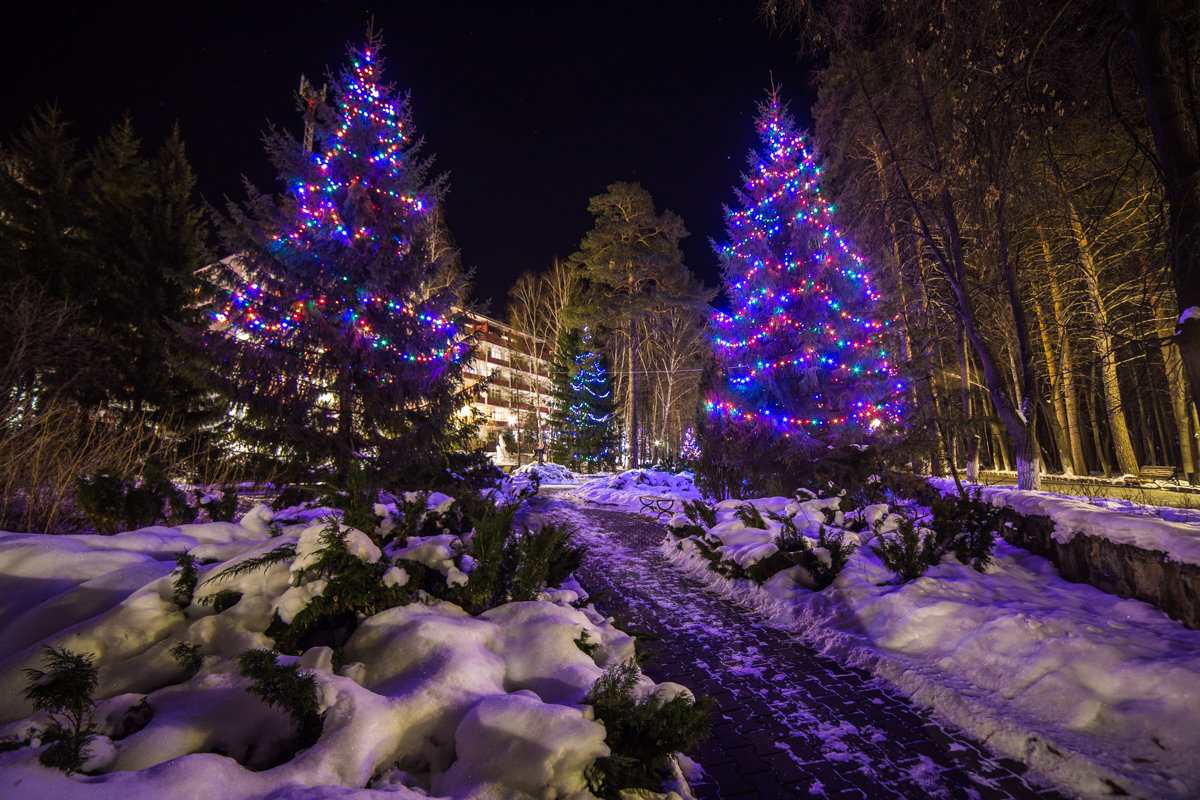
pixel 520 379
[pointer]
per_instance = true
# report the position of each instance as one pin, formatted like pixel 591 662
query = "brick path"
pixel 788 721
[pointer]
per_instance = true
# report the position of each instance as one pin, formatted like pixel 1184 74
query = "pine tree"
pixel 339 347
pixel 801 350
pixel 632 266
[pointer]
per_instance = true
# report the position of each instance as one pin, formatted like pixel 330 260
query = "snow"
pixel 1178 541
pixel 549 474
pixel 429 701
pixel 1084 686
pixel 1191 312
pixel 625 488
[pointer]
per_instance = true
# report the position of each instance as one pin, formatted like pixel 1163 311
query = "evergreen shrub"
pixel 967 526
pixel 750 517
pixel 354 587
pixel 187 656
pixel 909 552
pixel 185 581
pixel 510 566
pixel 285 687
pixel 112 500
pixel 824 562
pixel 64 690
pixel 221 506
pixel 642 735
pixel 699 511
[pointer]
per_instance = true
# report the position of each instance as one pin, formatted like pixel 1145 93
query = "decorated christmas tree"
pixel 337 347
pixel 582 420
pixel 801 352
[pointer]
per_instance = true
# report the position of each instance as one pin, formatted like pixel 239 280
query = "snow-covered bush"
pixel 626 488
pixel 822 560
pixel 220 504
pixel 750 517
pixel 285 687
pixel 699 511
pixel 967 526
pixel 548 473
pixel 739 543
pixel 910 551
pixel 508 566
pixel 643 732
pixel 338 574
pixel 185 581
pixel 420 698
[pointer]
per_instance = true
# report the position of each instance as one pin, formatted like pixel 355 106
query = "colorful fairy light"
pixel 802 346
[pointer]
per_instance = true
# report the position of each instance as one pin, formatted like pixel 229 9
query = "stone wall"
pixel 1119 569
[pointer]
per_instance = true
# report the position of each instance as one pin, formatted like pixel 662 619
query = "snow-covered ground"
pixel 427 700
pixel 1091 690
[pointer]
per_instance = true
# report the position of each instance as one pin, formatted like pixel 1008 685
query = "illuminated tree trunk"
pixel 1164 321
pixel 972 436
pixel 1106 350
pixel 1059 421
pixel 633 395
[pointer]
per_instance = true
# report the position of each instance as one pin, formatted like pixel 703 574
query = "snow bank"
pixel 1179 541
pixel 625 488
pixel 1084 686
pixel 429 700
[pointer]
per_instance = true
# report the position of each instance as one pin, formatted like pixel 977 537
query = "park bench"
pixel 1155 473
pixel 657 505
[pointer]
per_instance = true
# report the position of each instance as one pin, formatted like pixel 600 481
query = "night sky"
pixel 530 107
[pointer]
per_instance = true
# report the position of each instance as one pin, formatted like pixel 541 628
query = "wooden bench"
pixel 1156 473
pixel 658 505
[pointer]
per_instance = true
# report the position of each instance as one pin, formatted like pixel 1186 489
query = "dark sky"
pixel 530 107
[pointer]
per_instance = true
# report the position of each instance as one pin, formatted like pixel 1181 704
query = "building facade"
pixel 519 385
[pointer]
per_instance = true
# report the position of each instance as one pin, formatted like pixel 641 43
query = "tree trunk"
pixel 1177 388
pixel 1097 440
pixel 1106 351
pixel 1059 424
pixel 971 449
pixel 633 392
pixel 1069 390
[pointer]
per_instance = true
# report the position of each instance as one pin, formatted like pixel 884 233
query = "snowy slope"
pixel 428 701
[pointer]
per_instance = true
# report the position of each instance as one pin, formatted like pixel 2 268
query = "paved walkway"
pixel 788 722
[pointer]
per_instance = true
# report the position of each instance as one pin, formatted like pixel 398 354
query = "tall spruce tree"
pixel 339 346
pixel 801 350
pixel 582 421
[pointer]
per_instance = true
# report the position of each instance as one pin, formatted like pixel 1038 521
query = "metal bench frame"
pixel 658 505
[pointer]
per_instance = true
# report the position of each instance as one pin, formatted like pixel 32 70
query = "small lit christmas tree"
pixel 337 349
pixel 801 350
pixel 583 416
